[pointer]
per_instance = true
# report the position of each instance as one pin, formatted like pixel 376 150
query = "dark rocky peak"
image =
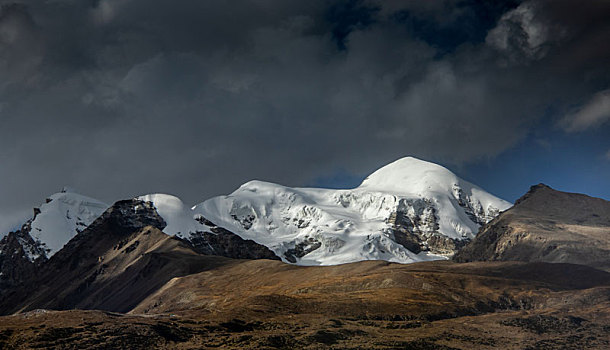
pixel 126 216
pixel 539 186
pixel 20 257
pixel 116 224
pixel 575 208
pixel 534 190
pixel 549 226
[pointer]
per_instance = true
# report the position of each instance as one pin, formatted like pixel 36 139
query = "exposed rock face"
pixel 546 225
pixel 118 260
pixel 473 208
pixel 301 249
pixel 225 243
pixel 126 216
pixel 414 225
pixel 439 244
pixel 20 256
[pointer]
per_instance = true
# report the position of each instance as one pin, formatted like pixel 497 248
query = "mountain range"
pixel 407 211
pixel 244 263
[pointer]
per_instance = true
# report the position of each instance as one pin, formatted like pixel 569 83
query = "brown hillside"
pixel 548 226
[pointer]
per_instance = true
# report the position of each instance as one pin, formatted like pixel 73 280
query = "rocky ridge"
pixel 119 259
pixel 549 226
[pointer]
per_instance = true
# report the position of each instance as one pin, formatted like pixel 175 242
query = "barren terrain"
pixel 263 304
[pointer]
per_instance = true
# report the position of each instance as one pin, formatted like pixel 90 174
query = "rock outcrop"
pixel 20 258
pixel 219 241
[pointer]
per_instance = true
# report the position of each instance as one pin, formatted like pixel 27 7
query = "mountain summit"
pixel 411 175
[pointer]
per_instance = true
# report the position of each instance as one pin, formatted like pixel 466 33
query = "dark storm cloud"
pixel 119 98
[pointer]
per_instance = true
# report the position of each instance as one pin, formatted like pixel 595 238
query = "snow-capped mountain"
pixel 59 219
pixel 407 211
pixel 63 216
pixel 203 235
pixel 410 210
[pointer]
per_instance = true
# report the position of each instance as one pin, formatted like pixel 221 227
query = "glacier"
pixel 408 211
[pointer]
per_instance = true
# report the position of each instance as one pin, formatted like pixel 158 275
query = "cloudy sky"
pixel 118 98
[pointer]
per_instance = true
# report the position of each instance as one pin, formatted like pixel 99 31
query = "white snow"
pixel 334 226
pixel 181 220
pixel 62 218
pixel 351 225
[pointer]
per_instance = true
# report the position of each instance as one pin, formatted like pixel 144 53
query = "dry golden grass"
pixel 263 304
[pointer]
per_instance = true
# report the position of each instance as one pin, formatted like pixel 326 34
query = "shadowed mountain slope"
pixel 117 261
